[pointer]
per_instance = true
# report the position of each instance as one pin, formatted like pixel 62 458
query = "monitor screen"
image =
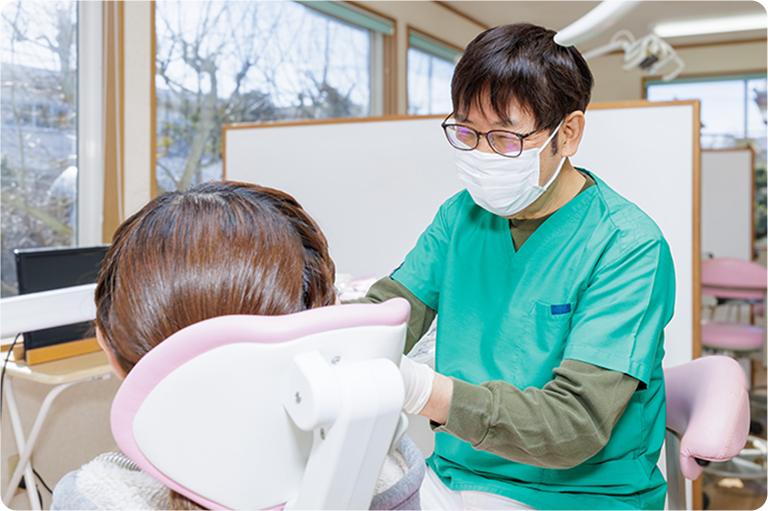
pixel 44 269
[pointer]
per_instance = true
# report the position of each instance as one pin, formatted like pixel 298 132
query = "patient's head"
pixel 215 249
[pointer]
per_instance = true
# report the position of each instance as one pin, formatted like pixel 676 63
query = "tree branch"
pixel 44 217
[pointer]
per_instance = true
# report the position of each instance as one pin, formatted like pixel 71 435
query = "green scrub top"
pixel 594 283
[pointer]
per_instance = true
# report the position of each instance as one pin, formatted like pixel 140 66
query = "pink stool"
pixel 721 336
pixel 733 279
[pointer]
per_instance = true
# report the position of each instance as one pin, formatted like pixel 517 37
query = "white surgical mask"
pixel 504 186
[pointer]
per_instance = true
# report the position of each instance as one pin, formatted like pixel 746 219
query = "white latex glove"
pixel 418 380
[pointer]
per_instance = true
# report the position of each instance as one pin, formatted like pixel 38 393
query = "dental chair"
pixel 270 412
pixel 707 419
pixel 730 281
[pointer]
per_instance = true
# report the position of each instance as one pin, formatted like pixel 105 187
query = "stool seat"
pixel 733 294
pixel 731 336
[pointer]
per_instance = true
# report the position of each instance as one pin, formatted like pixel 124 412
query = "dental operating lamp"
pixel 649 53
pixel 594 22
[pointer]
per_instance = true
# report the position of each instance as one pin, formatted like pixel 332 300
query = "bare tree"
pixel 202 51
pixel 38 128
pixel 248 46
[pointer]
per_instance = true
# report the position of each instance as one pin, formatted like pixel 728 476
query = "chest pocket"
pixel 552 325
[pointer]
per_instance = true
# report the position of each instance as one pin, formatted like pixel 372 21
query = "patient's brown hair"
pixel 216 249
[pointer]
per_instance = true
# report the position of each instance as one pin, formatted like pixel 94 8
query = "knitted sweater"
pixel 112 481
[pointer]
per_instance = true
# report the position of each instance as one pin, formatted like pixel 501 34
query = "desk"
pixel 61 374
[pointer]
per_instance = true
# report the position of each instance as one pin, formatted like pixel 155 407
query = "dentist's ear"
pixel 571 133
pixel 110 356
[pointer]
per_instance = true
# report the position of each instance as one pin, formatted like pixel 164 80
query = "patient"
pixel 217 249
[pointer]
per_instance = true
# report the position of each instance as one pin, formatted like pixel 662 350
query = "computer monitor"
pixel 44 269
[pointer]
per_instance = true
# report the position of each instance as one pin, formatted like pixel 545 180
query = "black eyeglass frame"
pixel 479 134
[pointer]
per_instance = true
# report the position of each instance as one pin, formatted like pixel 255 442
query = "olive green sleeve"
pixel 421 316
pixel 558 426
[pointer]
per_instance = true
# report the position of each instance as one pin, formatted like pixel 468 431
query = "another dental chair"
pixel 707 419
pixel 732 280
pixel 264 412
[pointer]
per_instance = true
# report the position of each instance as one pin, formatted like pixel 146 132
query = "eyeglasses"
pixel 505 143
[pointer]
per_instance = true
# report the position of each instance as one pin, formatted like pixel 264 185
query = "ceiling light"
pixel 710 25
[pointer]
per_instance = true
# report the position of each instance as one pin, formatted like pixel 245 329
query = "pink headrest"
pixel 708 405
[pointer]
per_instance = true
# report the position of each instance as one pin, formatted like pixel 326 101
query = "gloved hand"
pixel 418 379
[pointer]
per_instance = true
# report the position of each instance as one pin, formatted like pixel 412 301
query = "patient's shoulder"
pixel 110 481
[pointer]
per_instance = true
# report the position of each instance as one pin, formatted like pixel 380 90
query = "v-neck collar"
pixel 570 213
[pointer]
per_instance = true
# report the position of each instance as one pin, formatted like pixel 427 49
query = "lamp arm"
pixel 605 49
pixel 594 22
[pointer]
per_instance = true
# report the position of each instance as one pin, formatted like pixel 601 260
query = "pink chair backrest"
pixel 728 277
pixel 708 405
pixel 202 412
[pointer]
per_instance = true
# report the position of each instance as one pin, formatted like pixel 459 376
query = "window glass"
pixel 228 62
pixel 429 83
pixel 38 101
pixel 756 121
pixel 722 104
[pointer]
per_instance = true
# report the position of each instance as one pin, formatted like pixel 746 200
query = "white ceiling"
pixel 559 14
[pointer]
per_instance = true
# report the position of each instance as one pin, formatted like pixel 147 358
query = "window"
pixel 729 106
pixel 228 62
pixel 38 104
pixel 430 69
pixel 732 113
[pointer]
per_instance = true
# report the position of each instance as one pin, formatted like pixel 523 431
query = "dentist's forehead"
pixel 486 115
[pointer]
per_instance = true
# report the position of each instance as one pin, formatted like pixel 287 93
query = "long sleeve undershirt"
pixel 558 426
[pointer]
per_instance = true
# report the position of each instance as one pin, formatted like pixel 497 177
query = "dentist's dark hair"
pixel 522 63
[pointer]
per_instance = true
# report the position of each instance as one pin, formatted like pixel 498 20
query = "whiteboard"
pixel 727 194
pixel 375 185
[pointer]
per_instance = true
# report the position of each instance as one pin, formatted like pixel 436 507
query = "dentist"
pixel 552 293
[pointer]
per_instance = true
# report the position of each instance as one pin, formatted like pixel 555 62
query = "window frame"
pixel 744 76
pixel 90 136
pixel 430 45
